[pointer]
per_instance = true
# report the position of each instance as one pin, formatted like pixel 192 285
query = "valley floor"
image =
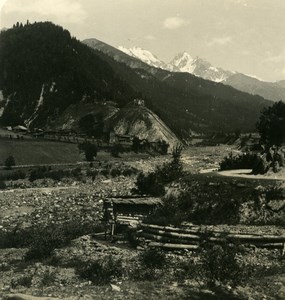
pixel 44 202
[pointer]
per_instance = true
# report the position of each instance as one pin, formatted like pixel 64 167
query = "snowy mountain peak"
pixel 182 62
pixel 144 55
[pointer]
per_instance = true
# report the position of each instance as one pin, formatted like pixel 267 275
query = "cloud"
pixel 283 71
pixel 150 37
pixel 2 2
pixel 69 11
pixel 240 2
pixel 174 22
pixel 275 58
pixel 219 41
pixel 245 52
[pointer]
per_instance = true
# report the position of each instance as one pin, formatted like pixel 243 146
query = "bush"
pixel 13 175
pixel 221 265
pixel 23 281
pixel 153 258
pixel 150 184
pixel 90 150
pixel 101 271
pixel 104 172
pixel 42 240
pixel 37 173
pixel 9 162
pixel 115 172
pixel 116 150
pixel 129 171
pixel 154 182
pixel 92 173
pixel 48 277
pixel 44 172
pixel 2 185
pixel 243 161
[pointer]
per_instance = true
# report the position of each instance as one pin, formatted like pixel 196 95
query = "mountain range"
pixel 49 79
pixel 184 62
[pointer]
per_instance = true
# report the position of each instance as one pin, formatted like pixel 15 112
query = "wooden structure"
pixel 122 139
pixel 123 212
pixel 167 237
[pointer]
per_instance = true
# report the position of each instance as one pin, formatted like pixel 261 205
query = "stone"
pixel 115 288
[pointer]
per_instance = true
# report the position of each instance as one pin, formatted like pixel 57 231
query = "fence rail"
pixel 182 238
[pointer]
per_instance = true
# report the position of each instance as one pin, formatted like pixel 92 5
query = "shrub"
pixel 37 173
pixel 243 161
pixel 116 150
pixel 43 172
pixel 115 172
pixel 2 185
pixel 150 184
pixel 221 264
pixel 13 175
pixel 48 277
pixel 42 240
pixel 129 171
pixel 154 182
pixel 92 173
pixel 149 265
pixel 9 162
pixel 90 150
pixel 101 271
pixel 24 281
pixel 271 124
pixel 104 172
pixel 76 173
pixel 153 258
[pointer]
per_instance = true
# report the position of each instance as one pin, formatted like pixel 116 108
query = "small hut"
pixel 128 211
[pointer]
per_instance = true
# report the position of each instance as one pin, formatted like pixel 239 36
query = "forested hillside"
pixel 44 70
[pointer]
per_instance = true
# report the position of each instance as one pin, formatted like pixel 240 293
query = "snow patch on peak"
pixel 143 55
pixel 183 62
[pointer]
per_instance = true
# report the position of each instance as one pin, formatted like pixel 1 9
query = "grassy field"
pixel 35 152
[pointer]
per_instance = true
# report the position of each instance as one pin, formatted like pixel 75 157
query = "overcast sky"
pixel 240 35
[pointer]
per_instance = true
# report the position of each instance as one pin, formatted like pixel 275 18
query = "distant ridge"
pixel 184 62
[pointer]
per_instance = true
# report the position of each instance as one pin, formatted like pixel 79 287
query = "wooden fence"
pixel 190 238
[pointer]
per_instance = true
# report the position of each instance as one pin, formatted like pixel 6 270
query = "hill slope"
pixel 43 70
pixel 270 90
pixel 140 121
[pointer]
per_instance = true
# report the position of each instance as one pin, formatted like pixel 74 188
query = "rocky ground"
pixel 46 202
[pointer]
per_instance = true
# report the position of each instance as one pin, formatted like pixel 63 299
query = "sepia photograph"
pixel 142 149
